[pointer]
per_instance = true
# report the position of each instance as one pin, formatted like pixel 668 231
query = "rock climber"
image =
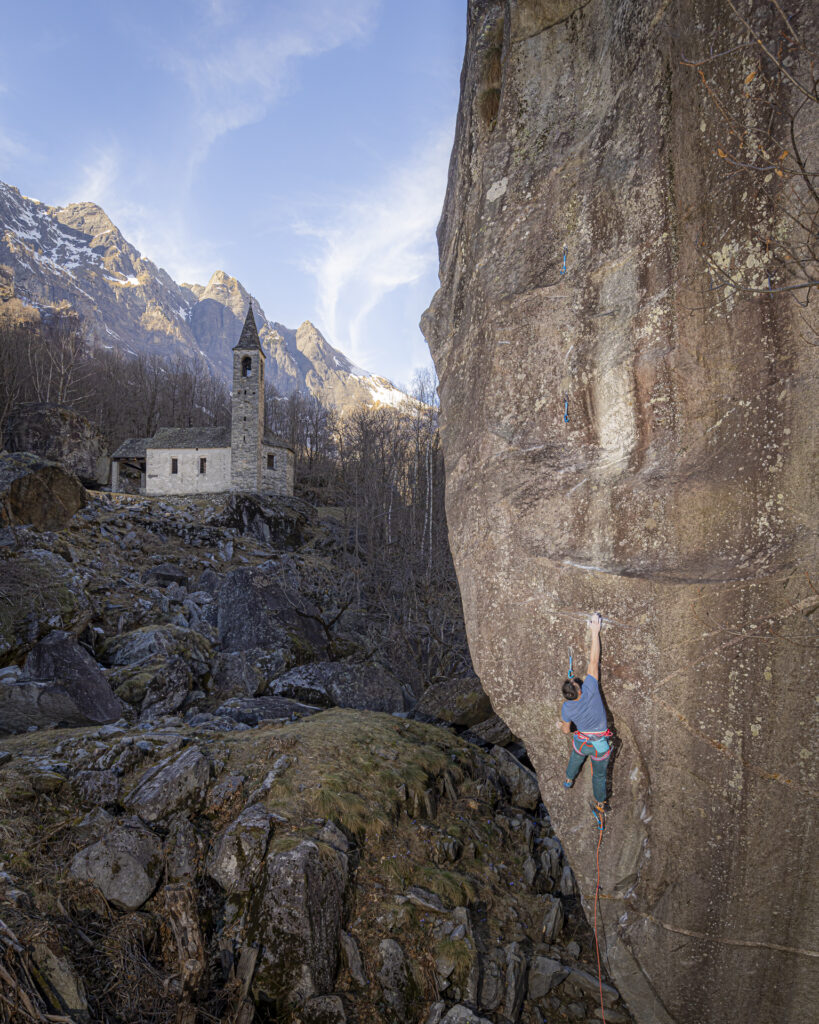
pixel 584 707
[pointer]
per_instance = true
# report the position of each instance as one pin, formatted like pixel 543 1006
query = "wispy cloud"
pixel 11 148
pixel 97 179
pixel 160 235
pixel 241 60
pixel 377 244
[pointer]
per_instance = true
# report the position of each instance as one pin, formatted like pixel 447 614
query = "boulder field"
pixel 219 799
pixel 626 434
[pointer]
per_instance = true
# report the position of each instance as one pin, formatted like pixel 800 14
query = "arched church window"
pixel 247 362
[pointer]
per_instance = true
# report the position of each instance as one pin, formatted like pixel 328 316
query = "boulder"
pixel 257 610
pixel 493 732
pixel 150 643
pixel 629 426
pixel 165 574
pixel 179 782
pixel 516 971
pixel 98 788
pixel 225 793
pixel 156 667
pixel 60 684
pixel 276 521
pixel 399 991
pixel 544 975
pixel 492 987
pixel 583 983
pixel 183 850
pixel 38 593
pixel 37 493
pixel 296 917
pixel 62 436
pixel 343 684
pixel 323 1010
pixel 457 701
pixel 352 959
pixel 256 710
pixel 125 865
pixel 243 672
pixel 524 790
pixel 61 985
pixel 552 926
pixel 463 1015
pixel 238 852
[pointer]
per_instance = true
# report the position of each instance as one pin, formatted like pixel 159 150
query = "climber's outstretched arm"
pixel 594 655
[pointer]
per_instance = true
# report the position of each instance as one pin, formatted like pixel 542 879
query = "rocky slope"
pixel 265 831
pixel 621 438
pixel 74 257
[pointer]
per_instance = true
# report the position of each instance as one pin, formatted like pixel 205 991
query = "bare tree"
pixel 764 91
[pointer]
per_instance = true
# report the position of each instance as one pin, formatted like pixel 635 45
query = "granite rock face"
pixel 617 440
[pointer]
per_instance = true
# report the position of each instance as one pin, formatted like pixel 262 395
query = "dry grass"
pixel 453 887
pixel 347 766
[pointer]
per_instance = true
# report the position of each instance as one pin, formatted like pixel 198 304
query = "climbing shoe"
pixel 568 783
pixel 599 812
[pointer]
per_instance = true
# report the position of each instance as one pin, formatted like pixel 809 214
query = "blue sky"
pixel 300 145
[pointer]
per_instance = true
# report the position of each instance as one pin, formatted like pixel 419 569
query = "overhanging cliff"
pixel 604 254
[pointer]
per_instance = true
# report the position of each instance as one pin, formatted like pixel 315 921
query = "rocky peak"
pixel 91 220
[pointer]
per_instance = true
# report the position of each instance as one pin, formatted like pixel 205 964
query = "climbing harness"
pixel 594 743
pixel 599 818
pixel 566 407
pixel 565 253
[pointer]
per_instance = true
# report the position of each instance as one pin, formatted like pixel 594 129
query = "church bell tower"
pixel 247 409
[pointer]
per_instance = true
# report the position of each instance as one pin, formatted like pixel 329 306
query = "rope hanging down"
pixel 599 819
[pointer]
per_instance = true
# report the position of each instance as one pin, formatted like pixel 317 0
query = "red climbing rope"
pixel 596 897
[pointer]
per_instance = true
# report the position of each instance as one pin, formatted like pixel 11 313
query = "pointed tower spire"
pixel 249 338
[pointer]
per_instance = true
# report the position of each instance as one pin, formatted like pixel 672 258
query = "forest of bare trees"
pixel 378 470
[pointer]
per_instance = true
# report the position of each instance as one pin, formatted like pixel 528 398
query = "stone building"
pixel 204 460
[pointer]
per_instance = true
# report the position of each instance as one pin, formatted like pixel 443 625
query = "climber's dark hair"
pixel 569 691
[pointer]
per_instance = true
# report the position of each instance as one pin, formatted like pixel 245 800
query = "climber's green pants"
pixel 598 773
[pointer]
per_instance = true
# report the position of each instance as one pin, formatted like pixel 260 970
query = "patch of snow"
pixel 384 392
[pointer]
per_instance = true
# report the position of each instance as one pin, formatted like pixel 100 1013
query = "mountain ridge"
pixel 74 256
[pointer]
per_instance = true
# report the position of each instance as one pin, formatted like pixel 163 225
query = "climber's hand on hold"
pixel 595 622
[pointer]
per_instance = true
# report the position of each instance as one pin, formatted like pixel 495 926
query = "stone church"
pixel 207 460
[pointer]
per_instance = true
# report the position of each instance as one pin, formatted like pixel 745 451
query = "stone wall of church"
pixel 188 478
pixel 278 478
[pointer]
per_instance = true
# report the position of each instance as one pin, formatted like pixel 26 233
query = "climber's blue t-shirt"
pixel 587 712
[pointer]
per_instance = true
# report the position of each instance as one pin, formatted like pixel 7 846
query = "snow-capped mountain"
pixel 74 257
